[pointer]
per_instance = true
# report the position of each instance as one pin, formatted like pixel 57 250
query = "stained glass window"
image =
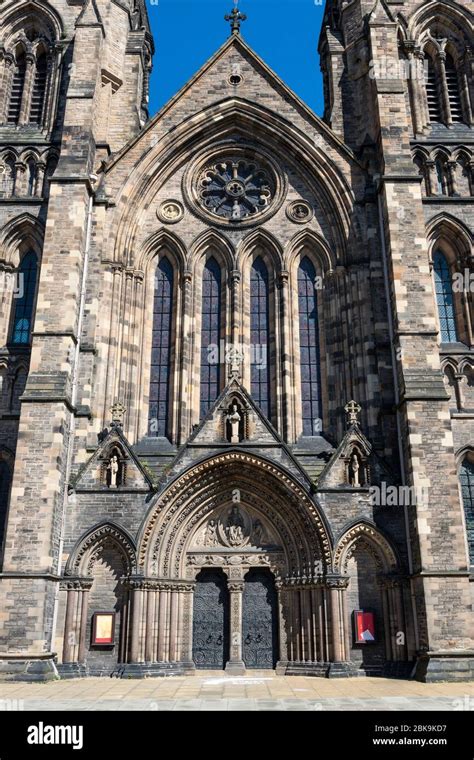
pixel 210 335
pixel 444 298
pixel 309 349
pixel 260 335
pixel 24 300
pixel 466 477
pixel 161 349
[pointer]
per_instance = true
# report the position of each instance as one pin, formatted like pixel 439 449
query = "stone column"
pixel 286 363
pixel 466 63
pixel 163 624
pixel 235 306
pixel 185 422
pixel 173 617
pixel 86 587
pixel 236 665
pixel 69 643
pixel 441 59
pixel 186 627
pixel 136 586
pixel 74 639
pixel 150 622
pixel 337 586
pixel 283 619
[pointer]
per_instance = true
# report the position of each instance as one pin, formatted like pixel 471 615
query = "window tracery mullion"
pixel 444 94
pixel 30 73
pixel 6 78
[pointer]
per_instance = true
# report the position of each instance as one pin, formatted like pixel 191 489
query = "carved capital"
pixel 336 582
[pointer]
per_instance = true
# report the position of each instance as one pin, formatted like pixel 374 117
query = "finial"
pixel 352 410
pixel 235 18
pixel 118 410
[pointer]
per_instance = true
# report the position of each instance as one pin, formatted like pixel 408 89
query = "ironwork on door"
pixel 211 621
pixel 259 621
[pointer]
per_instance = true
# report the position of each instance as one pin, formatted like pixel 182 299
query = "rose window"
pixel 236 189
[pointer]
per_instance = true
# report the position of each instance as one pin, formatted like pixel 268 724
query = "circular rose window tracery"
pixel 236 189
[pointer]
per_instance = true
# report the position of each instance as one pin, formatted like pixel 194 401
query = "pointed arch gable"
pixel 161 538
pixel 160 240
pixel 158 163
pixel 267 244
pixel 313 245
pixel 18 235
pixel 447 12
pixel 216 241
pixel 368 532
pixel 77 563
pixel 48 21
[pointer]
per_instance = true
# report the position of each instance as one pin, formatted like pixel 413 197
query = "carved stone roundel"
pixel 170 212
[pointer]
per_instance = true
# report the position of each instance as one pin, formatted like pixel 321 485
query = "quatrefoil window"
pixel 236 189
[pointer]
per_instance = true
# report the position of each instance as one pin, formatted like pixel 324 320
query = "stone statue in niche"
pixel 211 534
pixel 113 469
pixel 354 470
pixel 259 536
pixel 235 528
pixel 234 419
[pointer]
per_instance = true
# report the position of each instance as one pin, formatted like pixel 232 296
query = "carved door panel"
pixel 211 621
pixel 259 621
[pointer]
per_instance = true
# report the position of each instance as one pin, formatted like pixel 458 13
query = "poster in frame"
pixel 103 629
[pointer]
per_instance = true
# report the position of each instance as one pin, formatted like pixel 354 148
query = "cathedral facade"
pixel 236 379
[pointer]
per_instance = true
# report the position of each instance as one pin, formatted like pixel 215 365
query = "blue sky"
pixel 283 32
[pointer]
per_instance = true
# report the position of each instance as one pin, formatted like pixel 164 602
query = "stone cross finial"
pixel 235 18
pixel 352 410
pixel 118 411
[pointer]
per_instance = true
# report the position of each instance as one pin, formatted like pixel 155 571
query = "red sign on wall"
pixel 364 627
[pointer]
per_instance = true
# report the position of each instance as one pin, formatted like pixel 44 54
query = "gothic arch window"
pixel 39 89
pixel 17 87
pixel 23 306
pixel 260 334
pixel 211 332
pixel 161 350
pixel 446 83
pixel 309 349
pixel 444 298
pixel 466 479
